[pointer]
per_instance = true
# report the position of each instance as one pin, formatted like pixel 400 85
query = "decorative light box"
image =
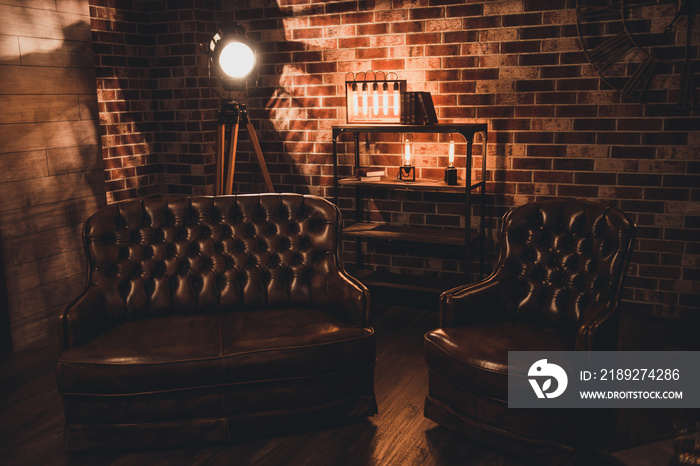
pixel 373 100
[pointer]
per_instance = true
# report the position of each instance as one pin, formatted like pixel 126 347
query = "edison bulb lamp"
pixel 451 171
pixel 407 152
pixel 407 172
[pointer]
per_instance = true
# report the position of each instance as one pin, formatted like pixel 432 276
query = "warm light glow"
pixel 237 60
pixel 371 101
pixel 365 97
pixel 396 100
pixel 385 99
pixel 375 98
pixel 354 102
pixel 452 154
pixel 407 152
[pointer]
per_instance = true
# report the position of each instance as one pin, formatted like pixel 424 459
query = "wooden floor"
pixel 31 416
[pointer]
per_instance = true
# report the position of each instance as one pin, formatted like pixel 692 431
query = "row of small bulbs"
pixel 380 100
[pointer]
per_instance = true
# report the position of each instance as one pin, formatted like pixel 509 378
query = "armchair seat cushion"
pixel 476 357
pixel 179 352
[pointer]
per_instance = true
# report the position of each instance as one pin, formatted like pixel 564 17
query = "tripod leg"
pixel 232 159
pixel 220 157
pixel 261 159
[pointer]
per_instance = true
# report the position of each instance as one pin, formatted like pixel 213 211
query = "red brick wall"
pixel 155 111
pixel 555 129
pixel 124 91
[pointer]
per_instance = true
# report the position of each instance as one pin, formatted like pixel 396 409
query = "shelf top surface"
pixel 420 183
pixel 436 128
pixel 429 235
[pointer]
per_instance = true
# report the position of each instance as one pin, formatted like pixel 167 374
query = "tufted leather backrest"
pixel 564 259
pixel 212 254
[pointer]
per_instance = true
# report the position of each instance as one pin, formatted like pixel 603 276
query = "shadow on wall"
pixel 57 106
pixel 288 113
pixel 128 104
pixel 52 171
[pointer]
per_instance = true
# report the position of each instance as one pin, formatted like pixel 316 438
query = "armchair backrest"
pixel 564 260
pixel 212 254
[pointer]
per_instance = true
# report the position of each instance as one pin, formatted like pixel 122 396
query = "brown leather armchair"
pixel 556 287
pixel 212 320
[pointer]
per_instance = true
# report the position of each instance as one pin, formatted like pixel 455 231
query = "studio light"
pixel 233 64
pixel 237 60
pixel 233 57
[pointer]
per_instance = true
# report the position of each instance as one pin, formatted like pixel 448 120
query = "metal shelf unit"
pixel 362 231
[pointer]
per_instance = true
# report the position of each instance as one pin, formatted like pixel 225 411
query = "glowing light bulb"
pixel 237 60
pixel 452 154
pixel 365 97
pixel 355 100
pixel 407 152
pixel 396 99
pixel 375 98
pixel 385 99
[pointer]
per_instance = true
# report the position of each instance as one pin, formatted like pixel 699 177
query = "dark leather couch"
pixel 556 287
pixel 211 320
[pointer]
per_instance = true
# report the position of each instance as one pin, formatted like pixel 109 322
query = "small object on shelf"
pixel 407 173
pixel 451 176
pixel 364 172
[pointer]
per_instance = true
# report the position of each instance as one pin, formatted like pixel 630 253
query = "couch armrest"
pixel 600 332
pixel 349 296
pixel 474 302
pixel 84 318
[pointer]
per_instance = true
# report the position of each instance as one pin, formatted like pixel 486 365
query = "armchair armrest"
pixel 84 318
pixel 474 302
pixel 599 333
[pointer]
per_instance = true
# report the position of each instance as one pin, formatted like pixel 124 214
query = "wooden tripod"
pixel 232 113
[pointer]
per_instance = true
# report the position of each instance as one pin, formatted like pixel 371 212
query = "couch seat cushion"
pixel 279 343
pixel 179 352
pixel 476 356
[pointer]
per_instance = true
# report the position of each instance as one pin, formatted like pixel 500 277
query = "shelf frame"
pixel 426 235
pixel 467 131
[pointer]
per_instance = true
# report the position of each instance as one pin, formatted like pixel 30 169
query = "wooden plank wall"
pixel 51 169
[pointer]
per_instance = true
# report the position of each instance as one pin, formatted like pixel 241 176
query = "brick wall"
pixel 555 128
pixel 123 52
pixel 155 108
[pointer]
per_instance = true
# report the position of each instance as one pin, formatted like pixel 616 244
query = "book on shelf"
pixel 369 171
pixel 427 107
pixel 417 108
pixel 371 178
